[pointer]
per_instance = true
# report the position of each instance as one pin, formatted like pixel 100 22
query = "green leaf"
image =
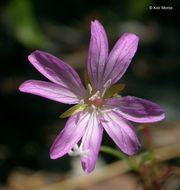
pixel 146 157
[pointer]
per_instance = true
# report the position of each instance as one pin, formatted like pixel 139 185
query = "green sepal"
pixel 114 90
pixel 75 109
pixel 86 79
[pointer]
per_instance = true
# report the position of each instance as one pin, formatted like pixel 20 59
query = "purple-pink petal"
pixel 57 71
pixel 98 53
pixel 70 135
pixel 122 133
pixel 91 141
pixel 136 109
pixel 49 90
pixel 120 57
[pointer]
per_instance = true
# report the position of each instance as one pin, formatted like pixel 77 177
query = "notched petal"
pixel 98 54
pixel 49 90
pixel 122 133
pixel 57 72
pixel 91 141
pixel 120 57
pixel 137 109
pixel 70 135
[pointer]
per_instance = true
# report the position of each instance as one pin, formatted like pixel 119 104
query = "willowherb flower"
pixel 97 108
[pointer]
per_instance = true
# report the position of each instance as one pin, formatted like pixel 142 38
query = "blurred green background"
pixel 29 124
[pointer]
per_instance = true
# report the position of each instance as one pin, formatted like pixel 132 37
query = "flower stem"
pixel 147 134
pixel 155 182
pixel 118 154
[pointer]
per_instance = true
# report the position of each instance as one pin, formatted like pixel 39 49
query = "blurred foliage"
pixel 29 124
pixel 26 28
pixel 137 9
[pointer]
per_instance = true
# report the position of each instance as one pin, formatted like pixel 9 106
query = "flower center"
pixel 98 102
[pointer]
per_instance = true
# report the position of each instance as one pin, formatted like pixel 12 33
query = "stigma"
pixel 98 102
pixel 96 99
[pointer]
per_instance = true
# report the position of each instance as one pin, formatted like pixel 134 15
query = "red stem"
pixel 147 134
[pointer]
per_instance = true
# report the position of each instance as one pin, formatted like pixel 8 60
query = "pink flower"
pixel 98 107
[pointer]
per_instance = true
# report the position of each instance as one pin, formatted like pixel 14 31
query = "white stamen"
pixel 106 111
pixel 106 85
pixel 81 102
pixel 90 89
pixel 84 153
pixel 93 107
pixel 76 148
pixel 93 97
pixel 74 151
pixel 77 151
